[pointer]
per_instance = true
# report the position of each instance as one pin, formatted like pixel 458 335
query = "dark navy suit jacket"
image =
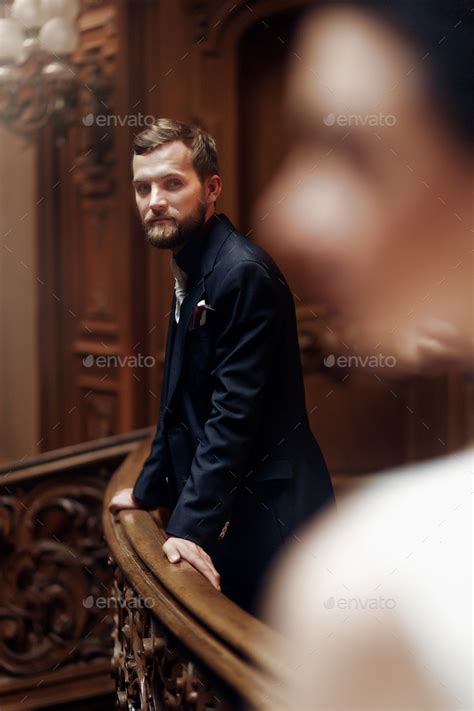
pixel 233 454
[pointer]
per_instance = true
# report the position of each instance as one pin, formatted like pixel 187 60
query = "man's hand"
pixel 123 499
pixel 177 549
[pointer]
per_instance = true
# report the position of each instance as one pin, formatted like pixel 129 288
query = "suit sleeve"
pixel 244 325
pixel 151 489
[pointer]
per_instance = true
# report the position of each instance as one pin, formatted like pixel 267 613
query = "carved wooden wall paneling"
pixel 105 292
pixel 93 302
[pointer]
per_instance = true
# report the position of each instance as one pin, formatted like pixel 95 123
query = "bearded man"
pixel 233 457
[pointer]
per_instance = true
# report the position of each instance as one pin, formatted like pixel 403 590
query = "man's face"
pixel 362 214
pixel 169 195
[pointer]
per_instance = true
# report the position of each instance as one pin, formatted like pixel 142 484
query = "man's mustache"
pixel 157 218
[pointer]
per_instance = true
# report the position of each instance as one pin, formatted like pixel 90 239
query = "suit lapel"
pixel 174 358
pixel 194 295
pixel 168 353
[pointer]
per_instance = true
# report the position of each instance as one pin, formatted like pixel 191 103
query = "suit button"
pixel 224 530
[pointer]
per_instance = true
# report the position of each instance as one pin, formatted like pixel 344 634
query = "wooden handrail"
pixel 236 647
pixel 92 448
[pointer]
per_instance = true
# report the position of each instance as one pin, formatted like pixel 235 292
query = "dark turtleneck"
pixel 189 257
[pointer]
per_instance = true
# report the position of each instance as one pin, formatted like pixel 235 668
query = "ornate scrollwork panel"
pixel 54 561
pixel 153 671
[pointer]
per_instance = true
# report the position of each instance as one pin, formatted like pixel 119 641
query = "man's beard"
pixel 174 234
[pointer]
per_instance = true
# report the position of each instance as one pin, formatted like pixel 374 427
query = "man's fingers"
pixel 171 551
pixel 177 549
pixel 205 565
pixel 208 560
pixel 205 569
pixel 122 500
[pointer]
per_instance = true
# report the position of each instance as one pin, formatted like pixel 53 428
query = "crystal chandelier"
pixel 37 82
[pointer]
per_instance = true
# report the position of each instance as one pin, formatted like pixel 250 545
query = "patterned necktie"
pixel 180 286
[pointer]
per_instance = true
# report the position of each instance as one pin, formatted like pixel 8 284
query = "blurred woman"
pixel 372 212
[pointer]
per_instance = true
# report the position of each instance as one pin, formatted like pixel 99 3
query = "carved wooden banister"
pixel 55 646
pixel 179 643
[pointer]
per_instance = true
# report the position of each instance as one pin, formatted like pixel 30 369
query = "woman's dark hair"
pixel 442 33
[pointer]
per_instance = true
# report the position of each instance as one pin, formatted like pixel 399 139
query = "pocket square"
pixel 199 314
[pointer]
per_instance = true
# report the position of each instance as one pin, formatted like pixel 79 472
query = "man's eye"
pixel 173 184
pixel 142 189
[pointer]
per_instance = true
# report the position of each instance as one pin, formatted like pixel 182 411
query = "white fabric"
pixel 406 542
pixel 180 286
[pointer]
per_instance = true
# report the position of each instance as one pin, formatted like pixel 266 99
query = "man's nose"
pixel 158 201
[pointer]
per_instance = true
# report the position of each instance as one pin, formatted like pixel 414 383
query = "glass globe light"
pixel 11 40
pixel 59 36
pixel 67 9
pixel 28 13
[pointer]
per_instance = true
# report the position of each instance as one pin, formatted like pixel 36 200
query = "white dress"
pixel 378 596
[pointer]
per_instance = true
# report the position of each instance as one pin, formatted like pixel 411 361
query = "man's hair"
pixel 203 146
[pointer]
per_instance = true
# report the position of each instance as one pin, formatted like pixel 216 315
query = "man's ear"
pixel 213 188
